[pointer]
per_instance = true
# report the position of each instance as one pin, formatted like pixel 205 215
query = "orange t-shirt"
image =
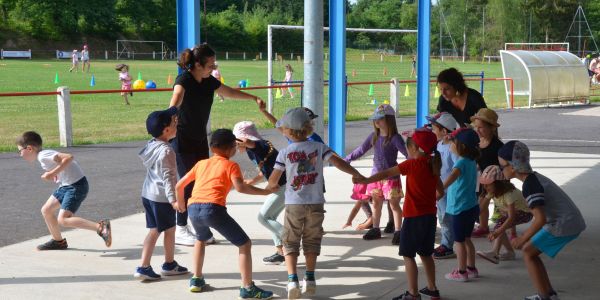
pixel 213 180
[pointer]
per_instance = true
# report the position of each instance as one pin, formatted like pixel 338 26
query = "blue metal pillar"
pixel 423 28
pixel 188 24
pixel 337 73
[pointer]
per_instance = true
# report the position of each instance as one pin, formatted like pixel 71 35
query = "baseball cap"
pixel 491 174
pixel 425 139
pixel 294 118
pixel 310 113
pixel 466 136
pixel 443 119
pixel 517 155
pixel 247 130
pixel 222 137
pixel 158 120
pixel 381 111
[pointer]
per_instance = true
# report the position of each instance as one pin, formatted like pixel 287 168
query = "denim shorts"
pixel 463 223
pixel 417 236
pixel 206 215
pixel 550 244
pixel 71 196
pixel 159 215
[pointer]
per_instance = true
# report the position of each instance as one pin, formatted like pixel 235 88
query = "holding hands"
pixel 359 179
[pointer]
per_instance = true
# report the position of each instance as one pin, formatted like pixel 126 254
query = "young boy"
pixel 158 193
pixel 214 178
pixel 313 137
pixel 302 162
pixel 73 188
pixel 442 125
pixel 556 219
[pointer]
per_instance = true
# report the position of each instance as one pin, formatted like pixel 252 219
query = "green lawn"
pixel 103 118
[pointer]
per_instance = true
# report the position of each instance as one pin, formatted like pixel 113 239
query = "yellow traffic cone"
pixel 278 94
pixel 436 94
pixel 222 80
pixel 406 92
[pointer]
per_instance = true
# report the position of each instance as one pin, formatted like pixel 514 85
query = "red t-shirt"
pixel 420 188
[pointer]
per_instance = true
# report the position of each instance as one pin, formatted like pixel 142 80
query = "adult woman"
pixel 456 98
pixel 193 94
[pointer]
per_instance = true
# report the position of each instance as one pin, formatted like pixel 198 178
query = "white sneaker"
pixel 184 237
pixel 507 256
pixel 309 287
pixel 293 290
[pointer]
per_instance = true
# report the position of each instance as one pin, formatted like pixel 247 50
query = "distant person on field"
pixel 216 73
pixel 289 72
pixel 125 80
pixel 413 71
pixel 73 187
pixel 85 59
pixel 74 61
pixel 158 193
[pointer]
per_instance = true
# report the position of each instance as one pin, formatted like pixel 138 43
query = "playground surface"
pixel 565 147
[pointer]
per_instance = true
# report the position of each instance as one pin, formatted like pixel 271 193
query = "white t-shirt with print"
pixel 303 164
pixel 71 174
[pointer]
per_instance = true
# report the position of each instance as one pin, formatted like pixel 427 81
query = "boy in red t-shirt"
pixel 417 234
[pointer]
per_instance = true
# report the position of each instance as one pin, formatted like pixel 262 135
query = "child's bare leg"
pixel 125 98
pixel 245 261
pixel 199 251
pixel 503 241
pixel 377 205
pixel 412 272
pixel 461 255
pixel 429 271
pixel 394 204
pixel 311 261
pixel 291 93
pixel 513 231
pixel 291 261
pixel 484 213
pixel 352 214
pixel 149 244
pixel 470 251
pixel 169 244
pixel 48 210
pixel 366 207
pixel 66 219
pixel 536 269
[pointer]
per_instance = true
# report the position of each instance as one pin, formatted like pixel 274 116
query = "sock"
pixel 309 275
pixel 293 277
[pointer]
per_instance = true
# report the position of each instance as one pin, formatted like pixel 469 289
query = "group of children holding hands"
pixel 441 186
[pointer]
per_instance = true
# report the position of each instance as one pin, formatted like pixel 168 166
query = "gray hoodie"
pixel 159 159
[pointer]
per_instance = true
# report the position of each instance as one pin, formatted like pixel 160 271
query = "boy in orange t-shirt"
pixel 214 178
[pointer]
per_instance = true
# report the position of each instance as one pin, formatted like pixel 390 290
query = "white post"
pixel 105 54
pixel 30 54
pixel 313 61
pixel 381 57
pixel 260 55
pixel 226 55
pixel 292 56
pixel 244 55
pixel 153 54
pixel 269 68
pixel 363 57
pixel 394 95
pixel 65 127
pixel 400 57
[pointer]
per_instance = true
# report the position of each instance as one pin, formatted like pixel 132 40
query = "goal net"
pixel 137 49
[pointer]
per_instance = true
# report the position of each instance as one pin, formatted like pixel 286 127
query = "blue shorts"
pixel 71 196
pixel 159 215
pixel 206 215
pixel 417 236
pixel 463 223
pixel 550 244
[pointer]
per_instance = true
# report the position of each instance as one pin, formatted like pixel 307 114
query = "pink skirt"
pixel 387 189
pixel 359 192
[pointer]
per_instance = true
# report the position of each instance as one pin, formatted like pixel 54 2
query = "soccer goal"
pixel 137 49
pixel 537 46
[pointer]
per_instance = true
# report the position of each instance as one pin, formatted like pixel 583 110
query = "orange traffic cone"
pixel 170 80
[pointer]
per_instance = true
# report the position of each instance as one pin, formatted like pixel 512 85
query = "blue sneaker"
pixel 254 292
pixel 196 284
pixel 173 268
pixel 145 273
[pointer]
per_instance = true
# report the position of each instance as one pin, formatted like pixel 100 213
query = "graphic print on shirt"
pixel 306 168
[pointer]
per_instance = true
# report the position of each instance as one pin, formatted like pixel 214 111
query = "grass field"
pixel 101 118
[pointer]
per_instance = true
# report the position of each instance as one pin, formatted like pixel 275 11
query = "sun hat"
pixel 517 155
pixel 246 130
pixel 491 174
pixel 466 136
pixel 487 115
pixel 443 119
pixel 425 139
pixel 381 111
pixel 158 120
pixel 294 118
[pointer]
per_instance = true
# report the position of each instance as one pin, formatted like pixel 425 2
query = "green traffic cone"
pixel 139 75
pixel 371 90
pixel 56 81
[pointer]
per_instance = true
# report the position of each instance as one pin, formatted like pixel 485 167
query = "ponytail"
pixel 435 162
pixel 199 54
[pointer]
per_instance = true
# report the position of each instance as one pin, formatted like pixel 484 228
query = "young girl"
pixel 125 80
pixel 387 143
pixel 417 235
pixel 263 154
pixel 74 61
pixel 288 77
pixel 513 211
pixel 359 193
pixel 461 202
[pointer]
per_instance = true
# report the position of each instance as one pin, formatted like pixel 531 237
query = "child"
pixel 513 211
pixel 289 72
pixel 73 188
pixel 462 206
pixel 313 137
pixel 386 143
pixel 556 219
pixel 217 74
pixel 85 59
pixel 263 154
pixel 442 125
pixel 302 162
pixel 158 193
pixel 125 80
pixel 214 178
pixel 417 235
pixel 74 61
pixel 359 193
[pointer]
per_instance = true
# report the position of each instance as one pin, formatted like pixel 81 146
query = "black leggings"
pixel 185 162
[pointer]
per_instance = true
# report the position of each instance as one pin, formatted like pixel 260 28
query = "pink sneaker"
pixel 480 232
pixel 473 272
pixel 455 275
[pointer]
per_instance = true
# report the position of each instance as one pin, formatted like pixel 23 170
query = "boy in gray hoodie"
pixel 158 193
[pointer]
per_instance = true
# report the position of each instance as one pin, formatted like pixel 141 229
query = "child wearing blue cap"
pixel 462 205
pixel 158 193
pixel 556 219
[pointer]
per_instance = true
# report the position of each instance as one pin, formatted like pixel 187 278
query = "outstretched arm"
pixel 179 188
pixel 343 166
pixel 270 117
pixel 237 94
pixel 240 186
pixel 393 171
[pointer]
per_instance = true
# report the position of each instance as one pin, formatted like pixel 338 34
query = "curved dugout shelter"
pixel 545 76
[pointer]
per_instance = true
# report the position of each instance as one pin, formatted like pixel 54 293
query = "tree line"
pixel 480 26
